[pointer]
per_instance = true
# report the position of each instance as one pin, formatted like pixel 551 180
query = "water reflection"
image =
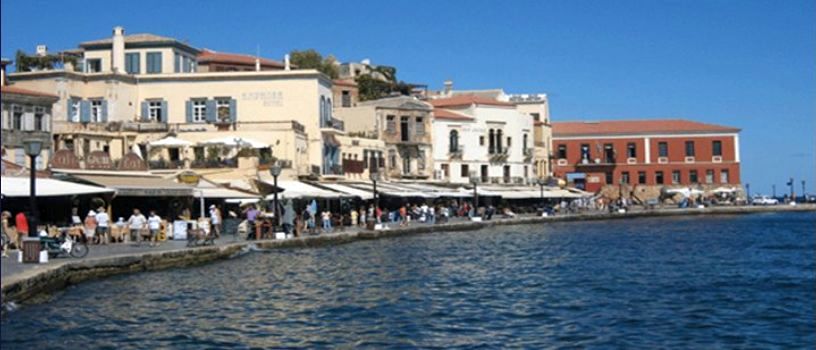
pixel 683 282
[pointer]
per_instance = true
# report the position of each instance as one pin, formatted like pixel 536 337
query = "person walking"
pixel 154 225
pixel 403 213
pixel 136 223
pixel 215 220
pixel 353 215
pixel 102 226
pixel 288 217
pixel 90 227
pixel 21 224
pixel 327 217
pixel 251 215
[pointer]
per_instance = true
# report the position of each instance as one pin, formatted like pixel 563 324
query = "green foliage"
pixel 311 59
pixel 372 88
pixel 26 63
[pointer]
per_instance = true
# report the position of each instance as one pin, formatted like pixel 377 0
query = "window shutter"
pixel 46 122
pixel 145 112
pixel 233 110
pixel 68 110
pixel 211 111
pixel 158 62
pixel 164 114
pixel 188 111
pixel 84 111
pixel 28 121
pixel 104 111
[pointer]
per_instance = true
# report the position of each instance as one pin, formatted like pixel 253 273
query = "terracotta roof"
pixel 207 56
pixel 623 127
pixel 7 89
pixel 440 113
pixel 466 100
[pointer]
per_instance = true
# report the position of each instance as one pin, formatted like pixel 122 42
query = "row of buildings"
pixel 227 117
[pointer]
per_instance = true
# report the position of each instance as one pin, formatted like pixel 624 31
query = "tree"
pixel 27 63
pixel 372 87
pixel 311 59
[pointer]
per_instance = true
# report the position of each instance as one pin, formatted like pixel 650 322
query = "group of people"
pixel 97 228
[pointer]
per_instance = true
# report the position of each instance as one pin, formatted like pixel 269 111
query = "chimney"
pixel 286 64
pixel 3 64
pixel 448 87
pixel 257 64
pixel 118 50
pixel 42 50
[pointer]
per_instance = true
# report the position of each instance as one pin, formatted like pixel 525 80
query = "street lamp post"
pixel 541 182
pixel 475 181
pixel 375 176
pixel 275 171
pixel 33 147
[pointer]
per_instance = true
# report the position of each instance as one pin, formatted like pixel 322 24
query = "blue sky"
pixel 749 64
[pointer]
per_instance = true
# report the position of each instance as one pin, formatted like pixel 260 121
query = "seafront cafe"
pixel 55 198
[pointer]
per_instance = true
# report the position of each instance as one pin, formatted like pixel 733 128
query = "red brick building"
pixel 645 153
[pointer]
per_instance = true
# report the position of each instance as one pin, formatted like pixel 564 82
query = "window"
pixel 404 135
pixel 154 111
pixel 492 147
pixel 186 64
pixel 609 178
pixel 509 141
pixel 199 111
pixel 390 124
pixel 453 141
pixel 365 159
pixel 419 126
pixel 481 140
pixel 198 152
pixel 724 176
pixel 631 150
pixel 96 111
pixel 499 147
pixel 74 110
pixel 609 153
pixel 154 62
pixel 662 149
pixel 465 171
pixel 421 162
pixel 585 152
pixel 625 177
pixel 675 177
pixel 93 65
pixel 132 63
pixel 222 109
pixel 709 176
pixel 346 98
pixel 536 116
pixel 39 118
pixel 406 165
pixel 17 117
pixel 693 176
pixel 642 177
pixel 716 148
pixel 176 62
pixel 659 177
pixel 445 170
pixel 523 144
pixel 562 151
pixel 689 148
pixel 392 158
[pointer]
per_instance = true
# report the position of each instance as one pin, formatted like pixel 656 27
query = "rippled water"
pixel 728 281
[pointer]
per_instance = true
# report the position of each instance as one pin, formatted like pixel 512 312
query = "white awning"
pixel 350 191
pixel 19 187
pixel 297 189
pixel 171 142
pixel 236 142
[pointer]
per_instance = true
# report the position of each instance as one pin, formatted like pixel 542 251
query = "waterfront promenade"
pixel 22 282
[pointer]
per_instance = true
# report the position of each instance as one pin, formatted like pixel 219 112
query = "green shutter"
pixel 104 111
pixel 211 115
pixel 164 114
pixel 85 111
pixel 145 112
pixel 68 110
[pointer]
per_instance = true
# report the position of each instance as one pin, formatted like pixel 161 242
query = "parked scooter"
pixel 67 246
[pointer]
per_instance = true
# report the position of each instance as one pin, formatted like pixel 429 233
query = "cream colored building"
pixel 405 125
pixel 133 91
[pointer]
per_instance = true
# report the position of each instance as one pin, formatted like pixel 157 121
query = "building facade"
pixel 26 114
pixel 281 115
pixel 482 136
pixel 617 156
pixel 404 123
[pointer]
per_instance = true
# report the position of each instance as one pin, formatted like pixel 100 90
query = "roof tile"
pixel 622 127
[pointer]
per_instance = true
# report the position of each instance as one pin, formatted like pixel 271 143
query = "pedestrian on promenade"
pixel 102 226
pixel 251 214
pixel 153 225
pixel 136 223
pixel 403 213
pixel 353 215
pixel 288 217
pixel 362 217
pixel 6 231
pixel 305 217
pixel 326 216
pixel 90 227
pixel 215 220
pixel 21 223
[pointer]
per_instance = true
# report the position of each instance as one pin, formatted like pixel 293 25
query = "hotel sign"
pixel 98 160
pixel 268 98
pixel 64 159
pixel 132 161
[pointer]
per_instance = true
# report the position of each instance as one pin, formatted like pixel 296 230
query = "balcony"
pixel 165 164
pixel 333 125
pixel 457 153
pixel 500 157
pixel 351 166
pixel 214 163
pixel 528 154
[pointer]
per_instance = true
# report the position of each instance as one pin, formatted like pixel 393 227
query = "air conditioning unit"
pixel 716 159
pixel 662 160
pixel 562 162
pixel 631 160
pixel 689 159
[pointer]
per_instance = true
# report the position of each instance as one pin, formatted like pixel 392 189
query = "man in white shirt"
pixel 136 223
pixel 154 224
pixel 215 220
pixel 102 224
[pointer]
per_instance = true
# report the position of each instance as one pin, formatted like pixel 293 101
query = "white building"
pixel 483 136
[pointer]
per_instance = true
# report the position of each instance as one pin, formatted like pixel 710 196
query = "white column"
pixel 736 148
pixel 647 150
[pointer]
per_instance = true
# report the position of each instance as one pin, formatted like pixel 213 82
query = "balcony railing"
pixel 213 163
pixel 165 164
pixel 457 153
pixel 333 123
pixel 351 166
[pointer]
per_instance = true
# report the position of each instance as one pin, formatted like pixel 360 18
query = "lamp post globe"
pixel 32 148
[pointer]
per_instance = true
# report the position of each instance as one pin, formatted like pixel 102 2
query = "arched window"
pixel 498 141
pixel 322 110
pixel 454 141
pixel 328 110
pixel 491 143
pixel 524 144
